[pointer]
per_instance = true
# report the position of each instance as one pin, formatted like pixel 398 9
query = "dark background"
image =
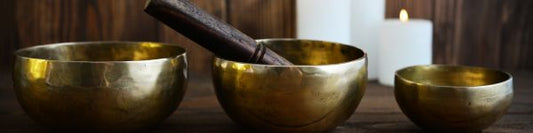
pixel 33 22
pixel 489 33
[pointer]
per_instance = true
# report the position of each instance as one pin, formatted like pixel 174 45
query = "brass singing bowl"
pixel 100 86
pixel 453 98
pixel 321 91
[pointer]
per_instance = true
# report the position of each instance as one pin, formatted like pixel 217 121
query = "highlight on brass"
pixel 453 98
pixel 100 86
pixel 319 92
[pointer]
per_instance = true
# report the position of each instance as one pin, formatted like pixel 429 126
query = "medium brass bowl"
pixel 321 91
pixel 453 98
pixel 100 86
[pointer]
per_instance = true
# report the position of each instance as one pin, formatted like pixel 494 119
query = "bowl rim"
pixel 508 80
pixel 362 58
pixel 18 52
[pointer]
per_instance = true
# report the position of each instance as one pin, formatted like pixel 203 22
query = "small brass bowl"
pixel 453 98
pixel 100 86
pixel 317 94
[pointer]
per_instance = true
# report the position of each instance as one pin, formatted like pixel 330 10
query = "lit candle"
pixel 404 42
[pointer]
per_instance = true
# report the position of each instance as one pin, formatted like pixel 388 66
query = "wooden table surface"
pixel 200 112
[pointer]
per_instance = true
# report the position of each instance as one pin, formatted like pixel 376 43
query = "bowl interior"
pixel 102 51
pixel 442 75
pixel 305 52
pixel 319 92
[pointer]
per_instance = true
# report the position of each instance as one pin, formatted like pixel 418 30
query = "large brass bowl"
pixel 321 91
pixel 100 86
pixel 453 98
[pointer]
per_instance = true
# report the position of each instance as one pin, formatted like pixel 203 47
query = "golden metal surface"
pixel 317 94
pixel 100 86
pixel 453 98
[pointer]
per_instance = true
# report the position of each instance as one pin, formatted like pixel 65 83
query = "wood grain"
pixel 480 28
pixel 490 33
pixel 36 22
pixel 446 26
pixel 416 8
pixel 8 36
pixel 487 33
pixel 198 57
pixel 52 21
pixel 263 18
pixel 517 35
pixel 200 112
pixel 217 36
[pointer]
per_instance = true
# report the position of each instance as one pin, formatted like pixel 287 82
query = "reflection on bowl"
pixel 321 91
pixel 100 86
pixel 453 98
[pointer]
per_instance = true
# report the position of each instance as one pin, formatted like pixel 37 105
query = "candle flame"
pixel 404 17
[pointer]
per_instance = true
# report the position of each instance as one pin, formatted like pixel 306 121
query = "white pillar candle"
pixel 323 20
pixel 401 44
pixel 366 18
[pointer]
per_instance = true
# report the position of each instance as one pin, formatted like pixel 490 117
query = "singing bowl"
pixel 100 86
pixel 453 98
pixel 319 92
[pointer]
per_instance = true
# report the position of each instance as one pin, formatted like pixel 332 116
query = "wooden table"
pixel 200 111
